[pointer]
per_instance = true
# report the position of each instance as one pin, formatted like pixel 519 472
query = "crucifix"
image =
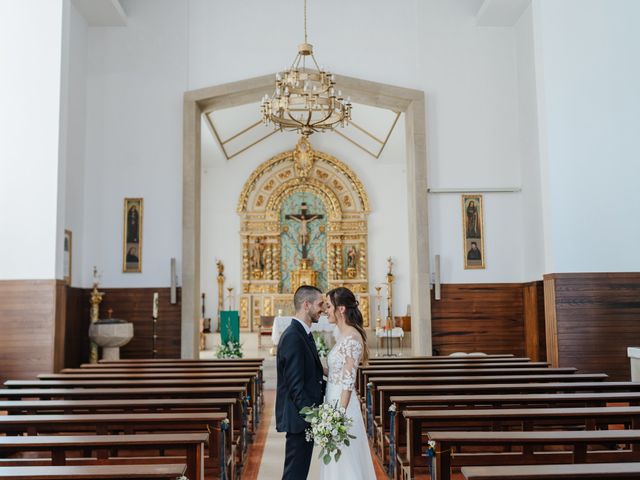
pixel 304 218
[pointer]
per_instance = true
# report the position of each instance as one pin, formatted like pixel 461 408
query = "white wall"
pixel 384 180
pixel 136 78
pixel 588 111
pixel 469 76
pixel 72 139
pixel 137 75
pixel 531 207
pixel 30 59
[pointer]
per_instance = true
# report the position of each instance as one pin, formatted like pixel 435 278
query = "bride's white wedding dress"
pixel 355 462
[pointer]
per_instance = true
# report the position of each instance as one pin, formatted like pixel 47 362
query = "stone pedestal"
pixel 111 336
pixel 634 356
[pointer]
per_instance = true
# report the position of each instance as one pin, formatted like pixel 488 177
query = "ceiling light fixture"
pixel 305 99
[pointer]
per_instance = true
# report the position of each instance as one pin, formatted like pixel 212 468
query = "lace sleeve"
pixel 351 352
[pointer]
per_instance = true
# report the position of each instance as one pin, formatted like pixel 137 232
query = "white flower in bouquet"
pixel 329 429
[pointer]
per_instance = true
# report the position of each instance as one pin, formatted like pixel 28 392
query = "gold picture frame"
pixel 132 235
pixel 67 258
pixel 473 231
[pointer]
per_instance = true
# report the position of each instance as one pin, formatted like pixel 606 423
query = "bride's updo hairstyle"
pixel 343 297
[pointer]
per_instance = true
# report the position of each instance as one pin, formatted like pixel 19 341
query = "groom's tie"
pixel 312 343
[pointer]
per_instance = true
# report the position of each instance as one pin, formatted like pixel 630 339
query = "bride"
pixel 351 348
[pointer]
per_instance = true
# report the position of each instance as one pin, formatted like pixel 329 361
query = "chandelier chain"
pixel 305 21
pixel 305 99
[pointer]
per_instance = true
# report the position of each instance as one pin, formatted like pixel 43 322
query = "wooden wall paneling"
pixel 77 327
pixel 534 324
pixel 542 335
pixel 551 329
pixel 60 320
pixel 530 314
pixel 28 325
pixel 135 305
pixel 597 317
pixel 478 317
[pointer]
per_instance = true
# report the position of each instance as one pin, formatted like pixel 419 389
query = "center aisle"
pixel 272 461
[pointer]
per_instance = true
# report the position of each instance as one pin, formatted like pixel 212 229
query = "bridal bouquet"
pixel 329 429
pixel 321 345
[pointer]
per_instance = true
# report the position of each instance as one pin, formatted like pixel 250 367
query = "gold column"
pixel 276 264
pixel 245 260
pixel 332 262
pixel 338 262
pixel 268 262
pixel 95 299
pixel 362 263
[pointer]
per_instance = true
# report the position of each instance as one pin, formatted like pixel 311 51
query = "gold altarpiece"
pixel 344 231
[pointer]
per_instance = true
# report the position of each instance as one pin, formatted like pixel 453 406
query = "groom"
pixel 300 382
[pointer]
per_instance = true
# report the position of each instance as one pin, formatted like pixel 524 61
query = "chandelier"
pixel 306 99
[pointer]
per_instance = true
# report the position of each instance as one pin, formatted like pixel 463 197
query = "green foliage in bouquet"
pixel 329 429
pixel 231 349
pixel 321 345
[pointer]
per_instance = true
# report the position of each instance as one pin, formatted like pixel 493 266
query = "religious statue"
pixel 352 260
pixel 303 157
pixel 257 254
pixel 351 257
pixel 303 232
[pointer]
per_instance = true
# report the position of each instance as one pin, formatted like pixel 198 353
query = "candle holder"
pixel 230 299
pixel 94 313
pixel 378 307
pixel 154 318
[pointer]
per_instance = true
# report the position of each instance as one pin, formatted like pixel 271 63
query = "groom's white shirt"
pixel 306 327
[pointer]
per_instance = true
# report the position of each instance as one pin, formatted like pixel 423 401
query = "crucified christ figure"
pixel 303 232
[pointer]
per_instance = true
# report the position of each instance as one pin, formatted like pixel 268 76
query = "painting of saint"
pixel 132 235
pixel 473 231
pixel 473 224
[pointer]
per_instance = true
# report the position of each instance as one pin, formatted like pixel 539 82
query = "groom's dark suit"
pixel 300 384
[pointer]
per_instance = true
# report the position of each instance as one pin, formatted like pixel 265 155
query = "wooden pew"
pixel 421 371
pixel 94 400
pixel 185 360
pixel 419 421
pixel 507 356
pixel 206 365
pixel 120 393
pixel 94 472
pixel 208 372
pixel 215 423
pixel 462 384
pixel 246 382
pixel 604 471
pixel 385 392
pixel 60 448
pixel 447 366
pixel 528 448
pixel 438 402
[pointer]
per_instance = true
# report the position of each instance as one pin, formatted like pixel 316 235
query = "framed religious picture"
pixel 473 231
pixel 132 236
pixel 66 258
